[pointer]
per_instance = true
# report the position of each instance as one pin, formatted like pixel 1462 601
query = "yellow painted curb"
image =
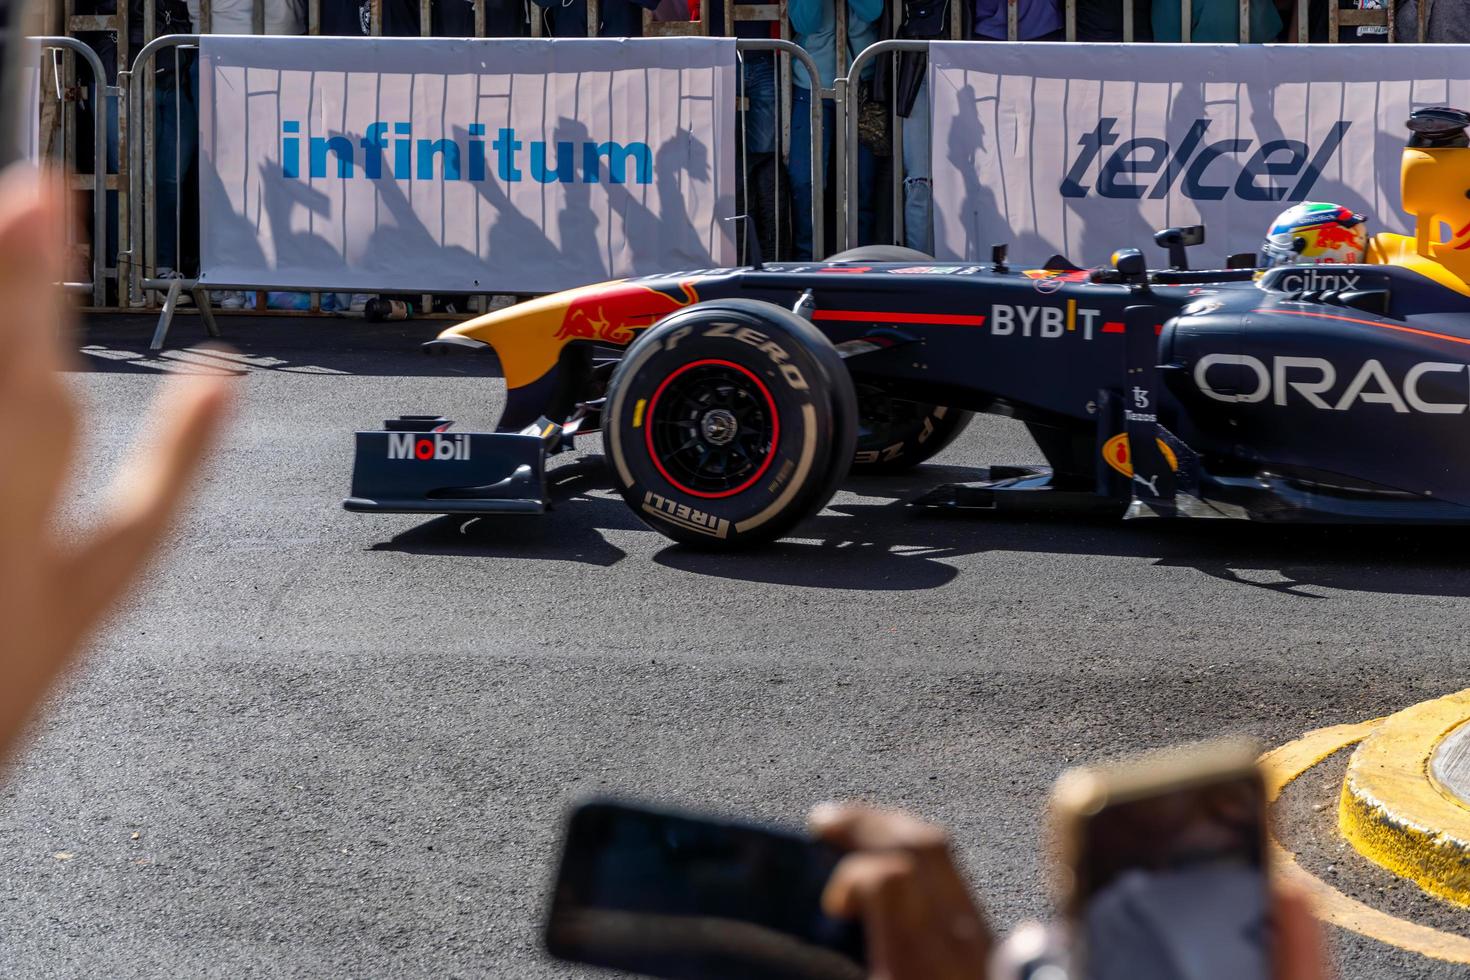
pixel 1285 764
pixel 1394 813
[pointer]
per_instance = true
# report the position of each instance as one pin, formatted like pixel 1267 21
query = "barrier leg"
pixel 166 318
pixel 206 310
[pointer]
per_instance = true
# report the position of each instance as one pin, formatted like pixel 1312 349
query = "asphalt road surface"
pixel 326 744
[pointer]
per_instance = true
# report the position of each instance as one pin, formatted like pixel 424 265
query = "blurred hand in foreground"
pixel 901 881
pixel 55 589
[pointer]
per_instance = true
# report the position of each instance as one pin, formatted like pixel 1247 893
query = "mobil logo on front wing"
pixel 424 446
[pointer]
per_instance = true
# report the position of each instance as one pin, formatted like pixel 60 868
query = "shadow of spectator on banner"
pixel 666 237
pixel 225 234
pixel 405 232
pixel 1119 222
pixel 578 227
pixel 510 232
pixel 984 220
pixel 295 249
pixel 524 237
pixel 1384 213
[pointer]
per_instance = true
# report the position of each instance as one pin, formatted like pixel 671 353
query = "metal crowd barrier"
pixel 138 253
pixel 135 182
pixel 98 286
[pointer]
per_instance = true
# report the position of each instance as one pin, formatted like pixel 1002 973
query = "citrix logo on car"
pixel 412 445
pixel 1127 171
pixel 1312 380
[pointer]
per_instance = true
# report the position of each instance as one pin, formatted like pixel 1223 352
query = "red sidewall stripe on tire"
pixel 770 405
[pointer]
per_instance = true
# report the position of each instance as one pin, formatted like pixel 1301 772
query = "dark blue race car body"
pixel 1330 394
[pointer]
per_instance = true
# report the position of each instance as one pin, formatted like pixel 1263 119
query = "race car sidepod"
pixel 414 465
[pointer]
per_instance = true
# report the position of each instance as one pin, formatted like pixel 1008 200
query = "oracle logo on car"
pixel 417 445
pixel 1128 171
pixel 1306 380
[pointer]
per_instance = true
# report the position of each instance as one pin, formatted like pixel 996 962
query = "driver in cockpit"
pixel 1435 184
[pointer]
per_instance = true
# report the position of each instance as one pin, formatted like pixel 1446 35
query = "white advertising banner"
pixel 377 164
pixel 1082 149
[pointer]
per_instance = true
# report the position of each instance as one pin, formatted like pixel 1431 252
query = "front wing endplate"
pixel 437 472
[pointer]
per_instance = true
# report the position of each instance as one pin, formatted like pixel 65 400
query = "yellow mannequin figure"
pixel 1435 184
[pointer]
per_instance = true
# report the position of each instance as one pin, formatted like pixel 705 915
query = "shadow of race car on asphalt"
pixel 879 542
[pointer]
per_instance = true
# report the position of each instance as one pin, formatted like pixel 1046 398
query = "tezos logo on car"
pixel 416 445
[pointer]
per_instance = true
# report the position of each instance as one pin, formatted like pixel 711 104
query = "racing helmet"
pixel 1310 233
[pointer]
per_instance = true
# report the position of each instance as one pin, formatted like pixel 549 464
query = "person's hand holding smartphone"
pixel 900 879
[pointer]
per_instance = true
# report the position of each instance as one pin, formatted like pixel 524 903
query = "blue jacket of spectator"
pixel 1034 18
pixel 814 24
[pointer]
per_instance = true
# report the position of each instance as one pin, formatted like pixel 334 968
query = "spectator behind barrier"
pixel 237 16
pixel 1448 21
pixel 1102 20
pixel 617 18
pixel 1317 24
pixel 282 17
pixel 1218 21
pixel 1037 20
pixel 174 84
pixel 456 18
pixel 814 28
pixel 756 194
pixel 350 18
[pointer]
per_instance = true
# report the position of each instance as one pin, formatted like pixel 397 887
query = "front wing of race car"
pixel 415 465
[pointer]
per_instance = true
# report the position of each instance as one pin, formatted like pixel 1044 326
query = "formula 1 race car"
pixel 733 401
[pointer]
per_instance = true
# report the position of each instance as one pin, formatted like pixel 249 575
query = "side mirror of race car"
pixel 1177 241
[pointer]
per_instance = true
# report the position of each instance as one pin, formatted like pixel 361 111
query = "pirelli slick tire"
pixel 881 253
pixel 895 434
pixel 729 422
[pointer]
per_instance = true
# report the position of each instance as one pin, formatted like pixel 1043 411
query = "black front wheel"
pixel 729 422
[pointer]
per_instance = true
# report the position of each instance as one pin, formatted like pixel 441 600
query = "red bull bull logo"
pixel 615 313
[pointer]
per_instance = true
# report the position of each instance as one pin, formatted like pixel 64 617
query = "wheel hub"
pixel 719 427
pixel 712 428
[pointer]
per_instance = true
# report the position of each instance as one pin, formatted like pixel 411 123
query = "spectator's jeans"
pixel 800 165
pixel 757 83
pixel 918 230
pixel 177 139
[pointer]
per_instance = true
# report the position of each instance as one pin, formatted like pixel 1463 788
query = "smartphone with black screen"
pixel 693 897
pixel 1163 864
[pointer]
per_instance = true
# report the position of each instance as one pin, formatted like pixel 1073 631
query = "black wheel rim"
pixel 712 428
